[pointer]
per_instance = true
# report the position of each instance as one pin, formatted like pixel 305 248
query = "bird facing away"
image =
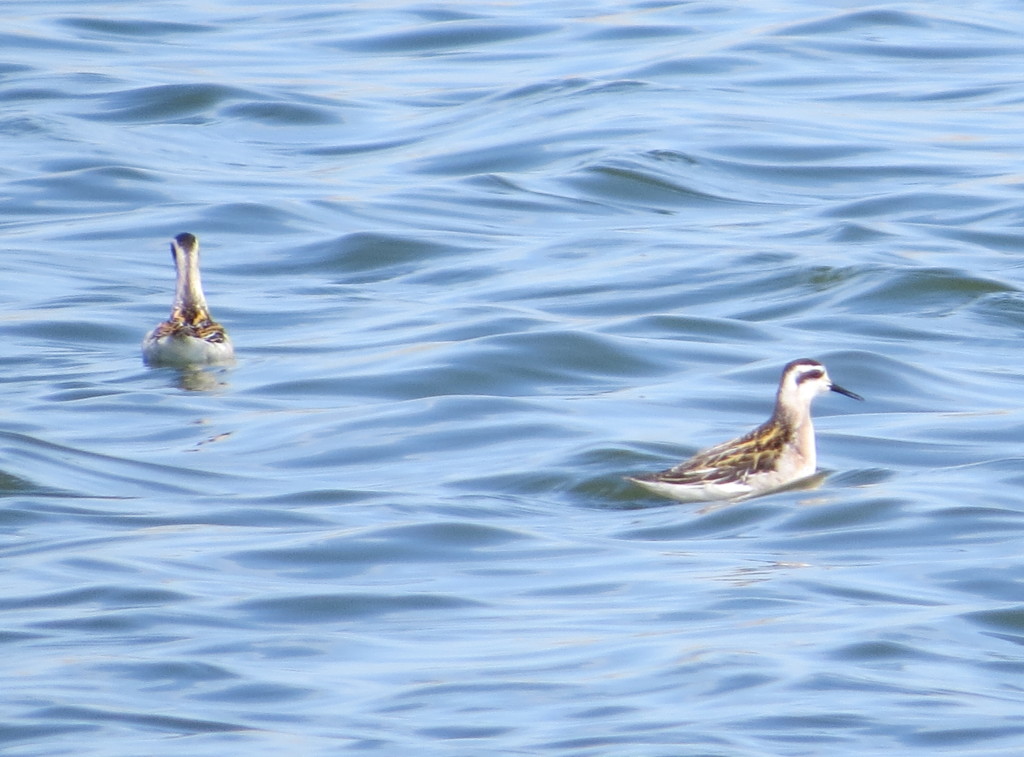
pixel 778 452
pixel 189 336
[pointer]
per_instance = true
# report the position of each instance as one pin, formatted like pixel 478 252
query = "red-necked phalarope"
pixel 778 452
pixel 189 336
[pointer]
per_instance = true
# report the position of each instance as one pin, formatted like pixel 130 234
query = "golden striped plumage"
pixel 737 460
pixel 196 323
pixel 189 336
pixel 776 453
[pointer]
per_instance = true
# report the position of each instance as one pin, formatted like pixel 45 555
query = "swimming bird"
pixel 778 452
pixel 189 336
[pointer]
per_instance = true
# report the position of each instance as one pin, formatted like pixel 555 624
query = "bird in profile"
pixel 778 452
pixel 189 336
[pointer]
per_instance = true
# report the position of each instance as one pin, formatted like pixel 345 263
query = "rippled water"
pixel 478 261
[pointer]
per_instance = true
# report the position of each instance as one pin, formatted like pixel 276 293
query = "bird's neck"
pixel 189 302
pixel 796 420
pixel 799 433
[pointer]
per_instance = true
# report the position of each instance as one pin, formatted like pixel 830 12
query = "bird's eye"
pixel 815 374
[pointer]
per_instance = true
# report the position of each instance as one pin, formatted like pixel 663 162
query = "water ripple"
pixel 478 264
pixel 446 34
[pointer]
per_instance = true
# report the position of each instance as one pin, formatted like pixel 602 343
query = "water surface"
pixel 479 261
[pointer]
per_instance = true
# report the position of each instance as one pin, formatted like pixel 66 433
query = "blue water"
pixel 478 262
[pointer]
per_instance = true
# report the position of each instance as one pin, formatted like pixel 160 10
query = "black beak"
pixel 847 392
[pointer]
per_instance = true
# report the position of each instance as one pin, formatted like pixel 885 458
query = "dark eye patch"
pixel 815 374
